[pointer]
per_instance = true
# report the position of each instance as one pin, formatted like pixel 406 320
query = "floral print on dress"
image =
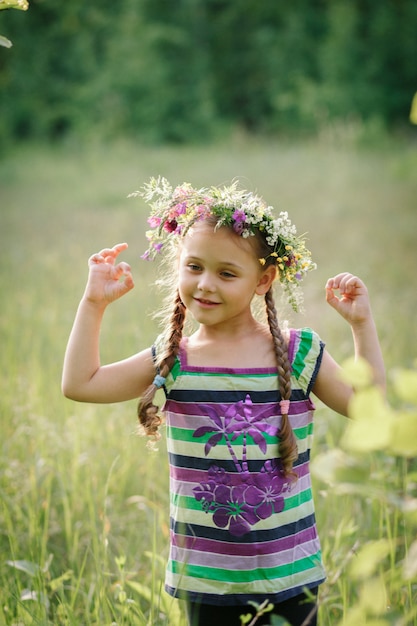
pixel 239 504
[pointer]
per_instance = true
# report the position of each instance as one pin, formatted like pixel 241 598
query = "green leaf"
pixel 404 435
pixel 405 385
pixel 161 601
pixel 25 566
pixel 373 596
pixel 357 373
pixel 410 563
pixel 372 422
pixel 368 558
pixel 23 5
pixel 6 43
pixel 335 467
pixel 56 583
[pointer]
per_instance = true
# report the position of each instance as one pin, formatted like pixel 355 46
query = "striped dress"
pixel 239 529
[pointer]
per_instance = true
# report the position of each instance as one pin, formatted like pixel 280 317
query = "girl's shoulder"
pixel 302 342
pixel 305 353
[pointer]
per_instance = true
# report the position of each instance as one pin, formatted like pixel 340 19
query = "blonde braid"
pixel 288 444
pixel 147 410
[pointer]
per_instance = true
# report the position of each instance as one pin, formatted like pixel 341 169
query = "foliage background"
pixel 164 70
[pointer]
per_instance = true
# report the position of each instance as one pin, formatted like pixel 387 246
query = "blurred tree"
pixel 178 71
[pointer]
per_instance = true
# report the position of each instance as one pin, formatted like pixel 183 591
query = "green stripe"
pixel 176 369
pixel 233 374
pixel 190 503
pixel 186 435
pixel 245 576
pixel 291 502
pixel 303 349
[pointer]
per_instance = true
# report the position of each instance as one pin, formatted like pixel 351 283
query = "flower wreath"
pixel 175 210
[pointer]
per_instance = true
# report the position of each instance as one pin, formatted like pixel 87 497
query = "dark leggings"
pixel 298 611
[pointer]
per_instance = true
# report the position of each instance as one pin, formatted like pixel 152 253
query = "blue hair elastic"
pixel 159 381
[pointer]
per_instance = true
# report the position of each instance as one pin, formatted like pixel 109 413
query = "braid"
pixel 288 443
pixel 147 410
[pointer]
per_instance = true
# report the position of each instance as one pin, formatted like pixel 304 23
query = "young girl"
pixel 238 411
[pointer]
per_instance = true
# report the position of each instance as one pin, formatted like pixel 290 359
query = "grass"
pixel 83 519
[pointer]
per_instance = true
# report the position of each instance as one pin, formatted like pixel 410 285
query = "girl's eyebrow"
pixel 225 263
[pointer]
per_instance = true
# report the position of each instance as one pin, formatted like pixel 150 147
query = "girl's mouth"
pixel 206 303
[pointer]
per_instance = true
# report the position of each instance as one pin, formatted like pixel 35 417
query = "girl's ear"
pixel 267 278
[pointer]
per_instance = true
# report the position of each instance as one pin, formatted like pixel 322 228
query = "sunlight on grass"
pixel 84 505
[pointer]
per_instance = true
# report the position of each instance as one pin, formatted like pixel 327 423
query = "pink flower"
pixel 154 221
pixel 180 208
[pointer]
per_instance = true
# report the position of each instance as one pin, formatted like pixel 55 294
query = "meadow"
pixel 84 524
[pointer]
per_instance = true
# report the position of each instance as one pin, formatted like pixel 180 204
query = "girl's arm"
pixel 84 378
pixel 354 306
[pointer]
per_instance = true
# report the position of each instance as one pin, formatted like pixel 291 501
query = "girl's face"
pixel 219 273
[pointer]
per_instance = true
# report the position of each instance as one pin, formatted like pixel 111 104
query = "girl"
pixel 238 409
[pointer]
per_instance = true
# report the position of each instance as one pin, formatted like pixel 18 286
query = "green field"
pixel 84 504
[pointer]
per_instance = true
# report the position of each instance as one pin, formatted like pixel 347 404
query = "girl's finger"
pixel 108 255
pixel 122 269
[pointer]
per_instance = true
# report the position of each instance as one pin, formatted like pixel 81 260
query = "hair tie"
pixel 285 406
pixel 159 381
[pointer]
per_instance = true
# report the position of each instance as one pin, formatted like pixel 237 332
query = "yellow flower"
pixel 262 261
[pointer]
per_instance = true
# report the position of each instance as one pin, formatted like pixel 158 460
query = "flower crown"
pixel 174 211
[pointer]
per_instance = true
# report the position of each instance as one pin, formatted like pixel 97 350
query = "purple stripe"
pixel 241 563
pixel 266 410
pixel 194 476
pixel 291 346
pixel 246 549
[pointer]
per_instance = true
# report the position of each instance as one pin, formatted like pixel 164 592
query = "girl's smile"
pixel 206 303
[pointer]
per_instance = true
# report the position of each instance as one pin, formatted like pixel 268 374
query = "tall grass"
pixel 84 505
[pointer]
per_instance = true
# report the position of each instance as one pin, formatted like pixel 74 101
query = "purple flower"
pixel 233 511
pixel 265 493
pixel 239 227
pixel 239 216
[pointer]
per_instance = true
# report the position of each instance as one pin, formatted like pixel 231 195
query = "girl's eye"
pixel 228 275
pixel 193 267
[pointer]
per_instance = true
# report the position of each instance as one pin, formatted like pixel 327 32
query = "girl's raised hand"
pixel 108 280
pixel 352 301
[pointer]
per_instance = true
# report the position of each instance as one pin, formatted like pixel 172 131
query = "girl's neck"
pixel 248 347
pixel 230 332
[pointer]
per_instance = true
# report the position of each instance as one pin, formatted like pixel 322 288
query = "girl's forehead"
pixel 205 239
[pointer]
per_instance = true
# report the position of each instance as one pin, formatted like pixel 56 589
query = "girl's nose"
pixel 206 282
